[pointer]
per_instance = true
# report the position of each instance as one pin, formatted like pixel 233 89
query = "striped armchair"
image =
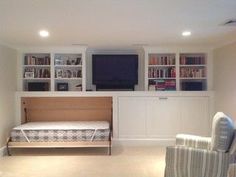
pixel 195 156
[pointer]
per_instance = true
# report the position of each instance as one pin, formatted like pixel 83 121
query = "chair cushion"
pixel 232 149
pixel 222 132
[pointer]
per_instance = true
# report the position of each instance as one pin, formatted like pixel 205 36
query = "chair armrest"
pixel 193 141
pixel 232 170
pixel 184 161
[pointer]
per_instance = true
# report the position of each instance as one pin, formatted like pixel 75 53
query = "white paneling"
pixel 195 115
pixel 132 117
pixel 163 117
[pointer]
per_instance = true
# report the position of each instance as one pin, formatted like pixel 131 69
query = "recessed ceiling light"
pixel 186 33
pixel 44 33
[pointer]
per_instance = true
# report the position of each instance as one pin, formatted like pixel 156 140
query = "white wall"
pixel 7 91
pixel 139 52
pixel 225 79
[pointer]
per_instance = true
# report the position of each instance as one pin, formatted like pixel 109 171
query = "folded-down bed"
pixel 61 131
pixel 61 134
pixel 63 122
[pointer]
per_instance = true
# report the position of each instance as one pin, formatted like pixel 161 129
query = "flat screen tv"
pixel 115 71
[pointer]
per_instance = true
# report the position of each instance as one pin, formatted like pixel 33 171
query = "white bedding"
pixel 64 125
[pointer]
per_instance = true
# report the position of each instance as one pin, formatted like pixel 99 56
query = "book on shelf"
pixel 34 60
pixel 169 72
pixel 68 60
pixel 37 72
pixel 66 73
pixel 192 72
pixel 192 60
pixel 162 85
pixel 161 60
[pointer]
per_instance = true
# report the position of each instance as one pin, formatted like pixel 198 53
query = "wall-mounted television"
pixel 115 71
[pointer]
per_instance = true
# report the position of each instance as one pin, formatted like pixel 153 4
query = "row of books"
pixel 161 60
pixel 192 60
pixel 33 60
pixel 162 85
pixel 37 73
pixel 69 61
pixel 66 73
pixel 162 72
pixel 192 72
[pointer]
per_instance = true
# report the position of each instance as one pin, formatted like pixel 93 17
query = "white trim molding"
pixel 3 151
pixel 143 142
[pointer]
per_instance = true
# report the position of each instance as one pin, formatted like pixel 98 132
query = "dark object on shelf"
pixel 79 73
pixel 38 86
pixel 192 86
pixel 68 62
pixel 78 61
pixel 115 71
pixel 62 86
pixel 78 87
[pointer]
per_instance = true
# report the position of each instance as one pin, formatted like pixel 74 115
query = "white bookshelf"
pixel 68 71
pixel 70 61
pixel 194 70
pixel 161 71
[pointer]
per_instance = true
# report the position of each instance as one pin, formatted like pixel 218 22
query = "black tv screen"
pixel 115 70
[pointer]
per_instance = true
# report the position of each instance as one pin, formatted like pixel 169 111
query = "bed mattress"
pixel 71 131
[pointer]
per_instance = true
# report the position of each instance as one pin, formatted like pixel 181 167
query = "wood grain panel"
pixel 66 109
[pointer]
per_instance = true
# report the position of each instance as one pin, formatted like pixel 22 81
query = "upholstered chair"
pixel 196 156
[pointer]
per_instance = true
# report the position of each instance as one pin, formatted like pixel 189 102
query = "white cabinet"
pixel 195 115
pixel 132 117
pixel 162 117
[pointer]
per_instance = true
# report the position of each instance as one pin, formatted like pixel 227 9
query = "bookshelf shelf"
pixel 175 71
pixel 192 71
pixel 68 78
pixel 40 66
pixel 161 65
pixel 161 72
pixel 36 69
pixel 165 78
pixel 68 71
pixel 193 78
pixel 192 65
pixel 36 78
pixel 57 69
pixel 68 66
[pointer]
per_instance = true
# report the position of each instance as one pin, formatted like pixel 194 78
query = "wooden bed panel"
pixel 58 144
pixel 66 109
pixel 69 115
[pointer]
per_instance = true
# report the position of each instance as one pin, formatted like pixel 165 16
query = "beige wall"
pixel 225 79
pixel 7 91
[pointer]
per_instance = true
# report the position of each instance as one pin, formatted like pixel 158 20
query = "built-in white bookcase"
pixel 176 69
pixel 59 69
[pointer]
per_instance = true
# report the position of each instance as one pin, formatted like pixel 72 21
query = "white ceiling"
pixel 116 23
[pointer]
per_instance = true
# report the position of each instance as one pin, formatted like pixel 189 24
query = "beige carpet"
pixel 85 162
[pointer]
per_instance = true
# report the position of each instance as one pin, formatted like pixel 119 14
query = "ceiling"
pixel 116 23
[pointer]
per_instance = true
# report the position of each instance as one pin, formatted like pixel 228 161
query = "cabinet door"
pixel 163 117
pixel 195 115
pixel 132 115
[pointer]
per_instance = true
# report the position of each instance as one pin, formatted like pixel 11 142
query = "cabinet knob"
pixel 163 98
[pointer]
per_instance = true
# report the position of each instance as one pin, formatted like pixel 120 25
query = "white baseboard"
pixel 143 142
pixel 3 151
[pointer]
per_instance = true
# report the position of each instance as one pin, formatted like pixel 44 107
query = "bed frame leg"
pixel 109 148
pixel 8 149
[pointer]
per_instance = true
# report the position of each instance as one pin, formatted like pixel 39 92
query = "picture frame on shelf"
pixel 59 73
pixel 29 75
pixel 62 86
pixel 59 62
